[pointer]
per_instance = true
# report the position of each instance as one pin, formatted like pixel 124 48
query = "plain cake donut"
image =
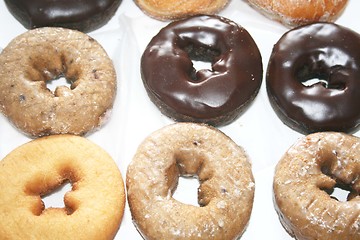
pixel 41 55
pixel 226 189
pixel 174 10
pixel 82 15
pixel 93 208
pixel 303 177
pixel 299 12
pixel 313 77
pixel 215 96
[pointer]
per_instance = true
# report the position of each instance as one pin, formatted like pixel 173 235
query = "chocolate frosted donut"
pixel 82 15
pixel 215 96
pixel 313 78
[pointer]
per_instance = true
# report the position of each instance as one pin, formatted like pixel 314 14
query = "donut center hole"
pixel 55 197
pixel 187 190
pixel 329 78
pixel 341 192
pixel 202 58
pixel 60 81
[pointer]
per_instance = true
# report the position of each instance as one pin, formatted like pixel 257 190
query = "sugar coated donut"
pixel 313 78
pixel 300 12
pixel 45 54
pixel 309 169
pixel 82 15
pixel 226 189
pixel 215 96
pixel 173 10
pixel 93 208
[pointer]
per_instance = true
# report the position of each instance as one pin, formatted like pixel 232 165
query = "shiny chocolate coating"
pixel 313 78
pixel 214 96
pixel 82 15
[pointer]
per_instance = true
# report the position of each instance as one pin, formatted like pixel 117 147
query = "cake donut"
pixel 41 55
pixel 93 208
pixel 225 195
pixel 82 15
pixel 309 169
pixel 215 96
pixel 313 78
pixel 300 12
pixel 174 10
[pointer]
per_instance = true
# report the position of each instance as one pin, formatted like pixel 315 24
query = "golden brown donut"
pixel 172 9
pixel 312 167
pixel 299 12
pixel 44 54
pixel 93 208
pixel 226 189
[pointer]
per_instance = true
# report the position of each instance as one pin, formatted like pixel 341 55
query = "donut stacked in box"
pixel 251 103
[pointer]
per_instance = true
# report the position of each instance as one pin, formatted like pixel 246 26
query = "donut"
pixel 300 12
pixel 313 78
pixel 82 15
pixel 41 55
pixel 313 166
pixel 93 208
pixel 174 10
pixel 225 195
pixel 215 96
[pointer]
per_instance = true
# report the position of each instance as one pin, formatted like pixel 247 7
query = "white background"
pixel 263 136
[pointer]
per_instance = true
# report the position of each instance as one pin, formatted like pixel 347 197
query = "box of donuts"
pixel 137 119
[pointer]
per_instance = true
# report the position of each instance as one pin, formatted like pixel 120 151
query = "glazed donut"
pixel 44 54
pixel 215 96
pixel 226 189
pixel 300 12
pixel 82 15
pixel 95 203
pixel 328 54
pixel 315 164
pixel 174 10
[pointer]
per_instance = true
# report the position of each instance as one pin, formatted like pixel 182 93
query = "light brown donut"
pixel 44 54
pixel 172 9
pixel 226 189
pixel 315 164
pixel 93 208
pixel 299 12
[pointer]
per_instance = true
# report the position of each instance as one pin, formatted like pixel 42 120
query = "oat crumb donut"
pixel 173 10
pixel 45 54
pixel 305 176
pixel 225 195
pixel 93 208
pixel 299 12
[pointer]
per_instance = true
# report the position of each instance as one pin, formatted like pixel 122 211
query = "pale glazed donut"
pixel 44 54
pixel 172 9
pixel 300 12
pixel 93 208
pixel 315 164
pixel 226 189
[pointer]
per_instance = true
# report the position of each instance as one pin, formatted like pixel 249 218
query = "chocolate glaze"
pixel 324 51
pixel 215 96
pixel 83 15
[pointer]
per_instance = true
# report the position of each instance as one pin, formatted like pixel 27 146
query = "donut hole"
pixel 60 81
pixel 192 173
pixel 319 74
pixel 54 70
pixel 51 192
pixel 202 58
pixel 55 198
pixel 339 190
pixel 187 190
